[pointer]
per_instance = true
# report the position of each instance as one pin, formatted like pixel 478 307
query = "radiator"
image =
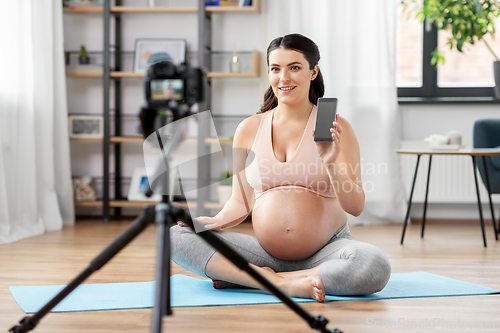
pixel 452 179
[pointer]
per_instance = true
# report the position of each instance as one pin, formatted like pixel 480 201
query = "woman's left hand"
pixel 330 151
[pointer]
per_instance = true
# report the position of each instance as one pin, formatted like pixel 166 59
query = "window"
pixel 470 69
pixel 409 42
pixel 468 74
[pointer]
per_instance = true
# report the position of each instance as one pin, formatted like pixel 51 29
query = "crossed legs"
pixel 342 267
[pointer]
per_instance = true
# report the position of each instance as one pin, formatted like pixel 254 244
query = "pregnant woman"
pixel 301 192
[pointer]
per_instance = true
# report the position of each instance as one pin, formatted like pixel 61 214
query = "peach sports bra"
pixel 303 170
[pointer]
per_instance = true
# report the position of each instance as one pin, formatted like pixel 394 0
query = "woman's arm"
pixel 342 161
pixel 238 207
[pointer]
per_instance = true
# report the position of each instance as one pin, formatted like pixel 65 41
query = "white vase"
pixel 224 193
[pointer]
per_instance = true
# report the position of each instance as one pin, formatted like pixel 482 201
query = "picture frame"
pixel 81 126
pixel 149 51
pixel 139 185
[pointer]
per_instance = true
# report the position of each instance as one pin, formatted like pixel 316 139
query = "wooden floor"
pixel 453 250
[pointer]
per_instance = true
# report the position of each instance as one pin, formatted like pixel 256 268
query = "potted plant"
pixel 83 58
pixel 224 188
pixel 468 20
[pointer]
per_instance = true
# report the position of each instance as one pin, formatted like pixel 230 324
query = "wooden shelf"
pixel 216 140
pixel 139 10
pixel 145 10
pixel 254 8
pixel 89 9
pixel 139 204
pixel 116 74
pixel 86 139
pixel 126 74
pixel 88 203
pixel 83 74
pixel 137 139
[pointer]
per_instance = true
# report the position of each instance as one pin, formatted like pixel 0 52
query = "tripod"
pixel 165 214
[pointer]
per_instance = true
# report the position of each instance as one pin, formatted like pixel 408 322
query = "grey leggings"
pixel 348 267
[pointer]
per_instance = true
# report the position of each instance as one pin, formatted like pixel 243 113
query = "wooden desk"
pixel 476 152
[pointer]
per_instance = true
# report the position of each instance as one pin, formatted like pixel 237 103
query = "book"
pixel 243 3
pixel 79 4
pixel 226 3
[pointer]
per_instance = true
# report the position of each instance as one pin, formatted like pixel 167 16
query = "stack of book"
pixel 82 3
pixel 234 3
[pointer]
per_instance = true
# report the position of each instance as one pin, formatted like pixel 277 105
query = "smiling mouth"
pixel 286 88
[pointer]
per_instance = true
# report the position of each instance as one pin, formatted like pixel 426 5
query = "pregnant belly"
pixel 293 224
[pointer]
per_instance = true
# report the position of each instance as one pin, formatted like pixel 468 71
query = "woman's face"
pixel 290 76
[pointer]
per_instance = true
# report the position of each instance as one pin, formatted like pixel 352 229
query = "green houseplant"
pixel 224 189
pixel 83 57
pixel 468 20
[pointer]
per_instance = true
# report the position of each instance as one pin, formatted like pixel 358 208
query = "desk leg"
pixel 478 199
pixel 489 196
pixel 409 201
pixel 426 195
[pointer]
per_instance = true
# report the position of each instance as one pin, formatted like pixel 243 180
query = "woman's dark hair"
pixel 310 51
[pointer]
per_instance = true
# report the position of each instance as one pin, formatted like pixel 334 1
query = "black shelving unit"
pixel 117 64
pixel 204 49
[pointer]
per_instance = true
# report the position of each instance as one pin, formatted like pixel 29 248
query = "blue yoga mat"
pixel 188 292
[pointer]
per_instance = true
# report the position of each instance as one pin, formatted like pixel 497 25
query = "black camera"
pixel 170 87
pixel 166 82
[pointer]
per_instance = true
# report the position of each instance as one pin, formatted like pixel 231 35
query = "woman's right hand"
pixel 210 223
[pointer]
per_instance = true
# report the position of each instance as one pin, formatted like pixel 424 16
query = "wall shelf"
pixel 139 204
pixel 138 139
pixel 86 139
pixel 254 8
pixel 89 9
pixel 83 74
pixel 124 139
pixel 249 61
pixel 88 203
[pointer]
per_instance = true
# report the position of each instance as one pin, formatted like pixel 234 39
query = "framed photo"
pixel 139 185
pixel 85 126
pixel 150 51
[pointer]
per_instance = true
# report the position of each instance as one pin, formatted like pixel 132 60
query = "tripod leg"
pixel 139 224
pixel 162 289
pixel 317 322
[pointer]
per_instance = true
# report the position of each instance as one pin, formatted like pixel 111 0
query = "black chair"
pixel 487 135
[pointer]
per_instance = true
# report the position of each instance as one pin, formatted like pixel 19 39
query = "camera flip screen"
pixel 167 89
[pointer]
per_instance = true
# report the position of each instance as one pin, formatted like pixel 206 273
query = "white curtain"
pixel 357 45
pixel 35 177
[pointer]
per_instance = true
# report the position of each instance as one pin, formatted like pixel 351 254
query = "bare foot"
pixel 220 284
pixel 305 287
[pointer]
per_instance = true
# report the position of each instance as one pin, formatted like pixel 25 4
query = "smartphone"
pixel 327 111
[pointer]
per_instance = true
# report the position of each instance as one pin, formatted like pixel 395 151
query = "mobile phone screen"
pixel 327 110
